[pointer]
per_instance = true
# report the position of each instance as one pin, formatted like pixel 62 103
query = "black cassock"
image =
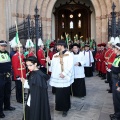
pixel 78 87
pixel 88 71
pixel 39 105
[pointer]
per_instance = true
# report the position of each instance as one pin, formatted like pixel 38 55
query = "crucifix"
pixel 61 60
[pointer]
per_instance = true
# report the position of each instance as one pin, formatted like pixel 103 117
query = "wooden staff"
pixel 21 70
pixel 48 43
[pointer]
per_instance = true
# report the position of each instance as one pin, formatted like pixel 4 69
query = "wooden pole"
pixel 21 71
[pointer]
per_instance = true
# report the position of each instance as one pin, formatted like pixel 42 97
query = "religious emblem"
pixel 2 56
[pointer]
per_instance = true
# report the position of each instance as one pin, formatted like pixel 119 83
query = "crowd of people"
pixel 64 66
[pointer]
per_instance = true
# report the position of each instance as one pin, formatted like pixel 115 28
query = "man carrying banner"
pixel 19 66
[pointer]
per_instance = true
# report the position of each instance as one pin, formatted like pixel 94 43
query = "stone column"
pixel 98 30
pixel 2 20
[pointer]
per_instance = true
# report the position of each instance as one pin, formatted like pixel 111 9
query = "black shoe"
pixel 64 114
pixel 107 89
pixel 103 78
pixel 110 91
pixel 112 116
pixel 2 115
pixel 9 109
pixel 115 118
pixel 19 101
pixel 98 74
pixel 106 81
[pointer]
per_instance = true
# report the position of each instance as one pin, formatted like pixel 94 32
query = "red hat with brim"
pixel 99 45
pixel 103 44
pixel 52 44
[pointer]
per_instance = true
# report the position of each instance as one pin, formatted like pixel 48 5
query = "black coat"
pixel 39 105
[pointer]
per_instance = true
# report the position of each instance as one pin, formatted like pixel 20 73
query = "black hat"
pixel 117 46
pixel 3 43
pixel 61 42
pixel 87 45
pixel 75 44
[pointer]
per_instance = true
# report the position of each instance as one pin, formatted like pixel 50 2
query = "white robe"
pixel 79 70
pixel 88 58
pixel 55 68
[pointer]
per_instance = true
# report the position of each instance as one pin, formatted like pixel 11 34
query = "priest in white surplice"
pixel 89 60
pixel 78 87
pixel 61 67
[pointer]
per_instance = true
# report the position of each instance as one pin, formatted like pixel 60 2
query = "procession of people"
pixel 64 66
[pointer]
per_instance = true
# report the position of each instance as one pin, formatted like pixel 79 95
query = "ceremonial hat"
pixel 14 44
pixel 3 43
pixel 75 44
pixel 117 40
pixel 52 44
pixel 87 45
pixel 29 43
pixel 40 42
pixel 117 46
pixel 99 45
pixel 103 44
pixel 61 42
pixel 111 40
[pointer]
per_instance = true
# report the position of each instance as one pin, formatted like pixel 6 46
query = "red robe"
pixel 31 54
pixel 41 57
pixel 50 54
pixel 17 67
pixel 111 59
pixel 107 54
pixel 98 63
pixel 102 59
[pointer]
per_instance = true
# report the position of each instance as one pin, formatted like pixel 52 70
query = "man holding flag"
pixel 19 68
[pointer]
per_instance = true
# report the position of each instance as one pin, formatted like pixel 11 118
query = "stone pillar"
pixel 2 20
pixel 104 29
pixel 44 29
pixel 49 26
pixel 98 30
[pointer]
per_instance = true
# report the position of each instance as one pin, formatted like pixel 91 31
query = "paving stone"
pixel 97 105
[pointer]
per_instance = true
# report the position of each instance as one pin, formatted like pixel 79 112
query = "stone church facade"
pixel 17 10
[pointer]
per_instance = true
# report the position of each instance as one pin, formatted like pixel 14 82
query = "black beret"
pixel 75 44
pixel 61 42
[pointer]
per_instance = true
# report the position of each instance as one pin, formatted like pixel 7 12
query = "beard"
pixel 58 49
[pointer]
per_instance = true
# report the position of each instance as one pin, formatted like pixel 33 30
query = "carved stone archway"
pixel 79 15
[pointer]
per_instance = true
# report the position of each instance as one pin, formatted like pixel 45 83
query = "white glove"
pixel 109 70
pixel 18 78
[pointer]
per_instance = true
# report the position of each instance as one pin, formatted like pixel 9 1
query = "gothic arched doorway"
pixel 73 18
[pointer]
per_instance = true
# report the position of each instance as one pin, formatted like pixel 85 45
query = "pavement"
pixel 97 105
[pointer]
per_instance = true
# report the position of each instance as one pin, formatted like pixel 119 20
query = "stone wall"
pixel 18 9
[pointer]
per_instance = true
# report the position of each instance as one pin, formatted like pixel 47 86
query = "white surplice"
pixel 88 58
pixel 79 70
pixel 55 68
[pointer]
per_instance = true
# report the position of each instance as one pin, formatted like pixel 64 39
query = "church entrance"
pixel 74 19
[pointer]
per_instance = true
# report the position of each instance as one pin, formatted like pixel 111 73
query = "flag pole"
pixel 48 43
pixel 21 67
